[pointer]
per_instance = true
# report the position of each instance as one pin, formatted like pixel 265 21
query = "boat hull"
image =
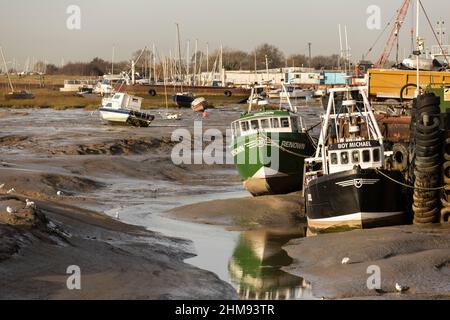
pixel 129 117
pixel 261 176
pixel 357 199
pixel 183 101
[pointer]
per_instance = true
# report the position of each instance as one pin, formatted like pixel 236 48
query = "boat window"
pixel 255 125
pixel 285 123
pixel 275 123
pixel 265 124
pixel 295 124
pixel 116 97
pixel 244 126
pixel 355 157
pixel 344 158
pixel 366 156
pixel 376 155
pixel 334 158
pixel 109 105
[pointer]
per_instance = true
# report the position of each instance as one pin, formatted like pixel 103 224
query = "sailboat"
pixel 14 95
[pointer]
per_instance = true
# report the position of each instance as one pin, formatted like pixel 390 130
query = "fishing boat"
pixel 348 184
pixel 199 104
pixel 269 149
pixel 122 108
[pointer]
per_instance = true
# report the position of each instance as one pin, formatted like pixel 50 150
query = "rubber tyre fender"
pixel 428 136
pixel 445 215
pixel 430 150
pixel 428 129
pixel 429 220
pixel 430 143
pixel 228 93
pixel 152 92
pixel 435 158
pixel 401 156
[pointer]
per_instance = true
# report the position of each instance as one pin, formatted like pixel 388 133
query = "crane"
pixel 394 35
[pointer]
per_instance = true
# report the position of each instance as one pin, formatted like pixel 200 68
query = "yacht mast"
pixel 418 48
pixel 179 55
pixel 6 70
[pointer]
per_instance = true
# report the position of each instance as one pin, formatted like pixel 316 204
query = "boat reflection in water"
pixel 255 267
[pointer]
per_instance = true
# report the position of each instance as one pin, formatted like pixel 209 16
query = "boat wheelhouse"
pixel 348 183
pixel 269 149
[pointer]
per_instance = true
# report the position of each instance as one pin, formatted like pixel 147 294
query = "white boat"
pixel 122 108
pixel 199 104
pixel 76 85
pixel 170 115
pixel 295 93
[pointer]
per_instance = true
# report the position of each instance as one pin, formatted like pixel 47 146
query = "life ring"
pixel 152 92
pixel 228 93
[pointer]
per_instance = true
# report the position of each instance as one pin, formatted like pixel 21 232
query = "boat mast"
pixel 154 64
pixel 188 66
pixel 418 48
pixel 7 71
pixel 195 62
pixel 179 55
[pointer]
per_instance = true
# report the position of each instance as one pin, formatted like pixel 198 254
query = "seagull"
pixel 117 216
pixel 11 191
pixel 30 204
pixel 10 210
pixel 59 193
pixel 2 186
pixel 401 288
pixel 346 261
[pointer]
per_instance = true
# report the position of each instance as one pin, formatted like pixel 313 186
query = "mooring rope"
pixel 409 186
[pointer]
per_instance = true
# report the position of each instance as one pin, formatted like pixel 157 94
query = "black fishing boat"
pixel 347 184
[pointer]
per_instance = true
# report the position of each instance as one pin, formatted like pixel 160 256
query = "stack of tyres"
pixel 428 159
pixel 445 212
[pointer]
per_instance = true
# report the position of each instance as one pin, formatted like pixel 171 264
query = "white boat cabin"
pixel 267 122
pixel 122 101
pixel 345 156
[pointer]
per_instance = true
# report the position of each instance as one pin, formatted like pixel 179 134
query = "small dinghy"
pixel 199 105
pixel 19 95
pixel 183 99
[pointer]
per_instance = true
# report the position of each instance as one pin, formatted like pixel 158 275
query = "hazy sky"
pixel 37 28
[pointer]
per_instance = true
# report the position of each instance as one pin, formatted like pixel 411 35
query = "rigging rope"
pixel 407 185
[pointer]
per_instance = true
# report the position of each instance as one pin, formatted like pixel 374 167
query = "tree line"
pixel 263 56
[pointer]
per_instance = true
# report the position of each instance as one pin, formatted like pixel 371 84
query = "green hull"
pixel 272 163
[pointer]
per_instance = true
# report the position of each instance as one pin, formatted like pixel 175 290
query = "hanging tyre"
pixel 401 156
pixel 228 93
pixel 152 92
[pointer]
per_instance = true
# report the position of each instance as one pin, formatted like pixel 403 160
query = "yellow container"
pixel 387 84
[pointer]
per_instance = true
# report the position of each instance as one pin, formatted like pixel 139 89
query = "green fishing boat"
pixel 269 149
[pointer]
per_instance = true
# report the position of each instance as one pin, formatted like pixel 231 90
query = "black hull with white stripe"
pixel 357 199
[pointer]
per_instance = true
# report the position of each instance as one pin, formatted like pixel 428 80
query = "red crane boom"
pixel 394 35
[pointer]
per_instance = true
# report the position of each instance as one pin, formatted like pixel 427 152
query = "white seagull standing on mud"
pixel 346 261
pixel 10 210
pixel 2 186
pixel 59 193
pixel 401 288
pixel 30 204
pixel 117 216
pixel 11 191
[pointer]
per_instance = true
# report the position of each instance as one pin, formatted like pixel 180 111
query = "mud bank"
pixel 117 261
pixel 246 213
pixel 412 256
